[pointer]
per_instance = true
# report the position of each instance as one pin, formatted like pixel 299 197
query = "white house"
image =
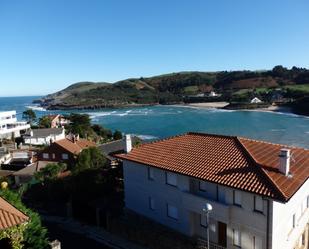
pixel 44 136
pixel 255 100
pixel 259 196
pixel 9 127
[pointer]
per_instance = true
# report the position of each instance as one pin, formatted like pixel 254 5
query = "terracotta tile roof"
pixel 10 216
pixel 240 163
pixel 75 147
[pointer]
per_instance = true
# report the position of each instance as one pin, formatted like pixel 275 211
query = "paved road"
pixel 71 240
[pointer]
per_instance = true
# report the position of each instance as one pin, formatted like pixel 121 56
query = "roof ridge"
pixel 271 143
pixel 209 134
pixel 260 168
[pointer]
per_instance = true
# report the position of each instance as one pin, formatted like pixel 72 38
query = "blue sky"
pixel 47 45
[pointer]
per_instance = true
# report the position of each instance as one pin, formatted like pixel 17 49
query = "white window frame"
pixel 45 155
pixel 236 238
pixel 237 198
pixel 65 156
pixel 152 204
pixel 257 242
pixel 150 173
pixel 171 178
pixel 172 212
pixel 202 186
pixel 258 204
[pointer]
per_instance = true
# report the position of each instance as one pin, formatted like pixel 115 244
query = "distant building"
pixel 255 100
pixel 213 94
pixel 65 150
pixel 259 191
pixel 44 136
pixel 10 127
pixel 57 120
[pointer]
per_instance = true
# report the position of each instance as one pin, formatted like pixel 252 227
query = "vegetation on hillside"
pixel 173 88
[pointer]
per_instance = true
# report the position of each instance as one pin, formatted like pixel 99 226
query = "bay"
pixel 156 122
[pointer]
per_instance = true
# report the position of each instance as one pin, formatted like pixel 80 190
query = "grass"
pixel 299 88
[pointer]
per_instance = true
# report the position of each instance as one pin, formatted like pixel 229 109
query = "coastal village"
pixel 117 188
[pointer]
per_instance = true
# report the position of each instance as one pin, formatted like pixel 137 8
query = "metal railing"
pixel 202 244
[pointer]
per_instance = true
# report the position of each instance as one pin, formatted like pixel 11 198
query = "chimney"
pixel 284 164
pixel 128 143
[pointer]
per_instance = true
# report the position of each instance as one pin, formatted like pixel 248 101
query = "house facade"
pixel 170 181
pixel 44 136
pixel 65 150
pixel 9 126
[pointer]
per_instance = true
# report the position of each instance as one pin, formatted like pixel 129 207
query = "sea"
pixel 157 122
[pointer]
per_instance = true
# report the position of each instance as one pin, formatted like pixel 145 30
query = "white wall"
pixel 284 236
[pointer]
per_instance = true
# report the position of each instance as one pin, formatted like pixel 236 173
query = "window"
pixel 237 198
pixel 151 203
pixel 45 155
pixel 308 201
pixel 65 156
pixel 150 173
pixel 294 221
pixel 236 238
pixel 54 156
pixel 258 204
pixel 257 242
pixel 203 221
pixel 202 186
pixel 171 179
pixel 172 212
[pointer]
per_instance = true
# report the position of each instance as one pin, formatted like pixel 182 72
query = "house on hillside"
pixel 57 120
pixel 10 217
pixel 255 100
pixel 259 196
pixel 65 150
pixel 10 127
pixel 44 136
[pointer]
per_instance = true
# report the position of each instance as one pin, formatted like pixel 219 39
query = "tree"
pixel 44 122
pixel 90 158
pixel 34 235
pixel 50 172
pixel 29 115
pixel 80 124
pixel 117 135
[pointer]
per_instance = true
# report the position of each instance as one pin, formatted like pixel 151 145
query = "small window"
pixel 203 221
pixel 150 173
pixel 236 238
pixel 257 242
pixel 45 155
pixel 172 212
pixel 308 201
pixel 151 203
pixel 171 179
pixel 202 186
pixel 65 156
pixel 54 156
pixel 258 204
pixel 237 198
pixel 294 221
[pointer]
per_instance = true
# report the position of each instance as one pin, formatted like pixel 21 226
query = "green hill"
pixel 175 88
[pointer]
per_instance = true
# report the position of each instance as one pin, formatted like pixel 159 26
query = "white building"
pixel 9 127
pixel 260 197
pixel 44 136
pixel 255 100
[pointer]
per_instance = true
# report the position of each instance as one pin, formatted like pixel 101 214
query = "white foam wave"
pixel 277 130
pixel 36 108
pixel 145 137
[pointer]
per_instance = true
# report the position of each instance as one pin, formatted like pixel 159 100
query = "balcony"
pixel 202 244
pixel 15 127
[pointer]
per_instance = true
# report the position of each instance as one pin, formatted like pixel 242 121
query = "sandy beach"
pixel 208 104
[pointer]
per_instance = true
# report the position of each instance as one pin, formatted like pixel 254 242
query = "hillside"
pixel 173 88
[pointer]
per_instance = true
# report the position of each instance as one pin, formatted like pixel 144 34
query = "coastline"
pixel 220 105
